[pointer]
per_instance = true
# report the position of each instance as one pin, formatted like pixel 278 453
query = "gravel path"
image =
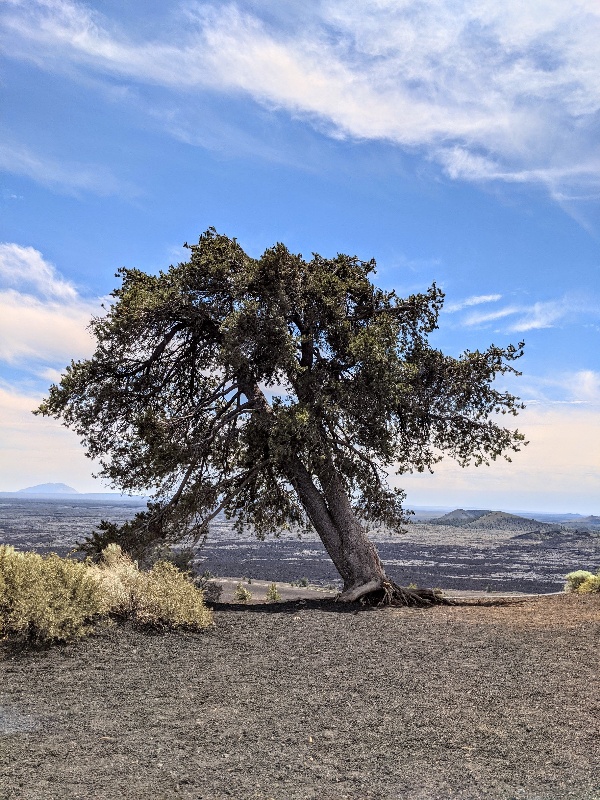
pixel 309 699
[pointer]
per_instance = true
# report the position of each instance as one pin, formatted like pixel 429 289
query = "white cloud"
pixel 586 385
pixel 482 317
pixel 37 331
pixel 505 92
pixel 535 316
pixel 43 323
pixel 558 471
pixel 25 267
pixel 70 177
pixel 38 450
pixel 476 300
pixel 43 331
pixel 581 387
pixel 541 315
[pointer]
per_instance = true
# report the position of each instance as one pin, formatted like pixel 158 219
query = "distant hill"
pixel 497 520
pixel 49 488
pixel 591 523
pixel 460 517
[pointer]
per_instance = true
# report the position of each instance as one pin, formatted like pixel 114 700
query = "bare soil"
pixel 310 699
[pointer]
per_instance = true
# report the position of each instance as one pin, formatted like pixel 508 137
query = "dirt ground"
pixel 309 699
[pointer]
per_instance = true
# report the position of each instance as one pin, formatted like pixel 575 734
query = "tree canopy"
pixel 281 391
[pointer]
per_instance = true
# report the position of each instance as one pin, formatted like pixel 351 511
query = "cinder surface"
pixel 312 699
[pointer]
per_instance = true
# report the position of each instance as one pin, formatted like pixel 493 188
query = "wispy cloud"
pixel 25 267
pixel 580 387
pixel 70 177
pixel 475 300
pixel 533 316
pixel 541 315
pixel 43 319
pixel 483 317
pixel 35 331
pixel 492 92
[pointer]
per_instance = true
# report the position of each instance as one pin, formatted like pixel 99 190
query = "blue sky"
pixel 451 141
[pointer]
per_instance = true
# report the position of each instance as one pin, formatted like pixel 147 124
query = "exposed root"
pixel 388 593
pixel 354 593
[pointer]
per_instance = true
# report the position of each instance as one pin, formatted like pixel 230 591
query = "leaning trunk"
pixel 330 511
pixel 364 568
pixel 352 552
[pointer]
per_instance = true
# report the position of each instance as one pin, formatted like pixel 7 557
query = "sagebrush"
pixel 162 596
pixel 48 598
pixel 582 582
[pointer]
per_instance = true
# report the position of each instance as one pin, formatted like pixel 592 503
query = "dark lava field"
pixel 519 555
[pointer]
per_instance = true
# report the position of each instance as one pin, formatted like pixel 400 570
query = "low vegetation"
pixel 582 582
pixel 47 599
pixel 241 594
pixel 273 595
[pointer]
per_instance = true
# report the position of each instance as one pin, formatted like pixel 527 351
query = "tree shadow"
pixel 331 606
pixel 292 606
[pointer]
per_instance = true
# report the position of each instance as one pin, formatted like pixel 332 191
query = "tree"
pixel 281 392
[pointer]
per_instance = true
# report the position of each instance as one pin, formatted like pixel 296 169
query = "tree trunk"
pixel 366 572
pixel 330 512
pixel 352 552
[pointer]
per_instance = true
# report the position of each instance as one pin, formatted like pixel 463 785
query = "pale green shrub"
pixel 46 598
pixel 273 595
pixel 590 585
pixel 581 580
pixel 241 594
pixel 118 577
pixel 164 596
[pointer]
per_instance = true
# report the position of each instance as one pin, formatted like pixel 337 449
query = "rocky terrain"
pixel 491 551
pixel 314 701
pixel 308 698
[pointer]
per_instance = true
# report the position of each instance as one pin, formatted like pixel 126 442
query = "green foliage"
pixel 302 582
pixel 46 598
pixel 241 594
pixel 212 590
pixel 582 582
pixel 181 558
pixel 273 595
pixel 143 538
pixel 171 401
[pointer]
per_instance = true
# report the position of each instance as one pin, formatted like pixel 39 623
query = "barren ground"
pixel 308 699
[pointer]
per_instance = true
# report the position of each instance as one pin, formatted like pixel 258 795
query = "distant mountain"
pixel 498 520
pixel 49 488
